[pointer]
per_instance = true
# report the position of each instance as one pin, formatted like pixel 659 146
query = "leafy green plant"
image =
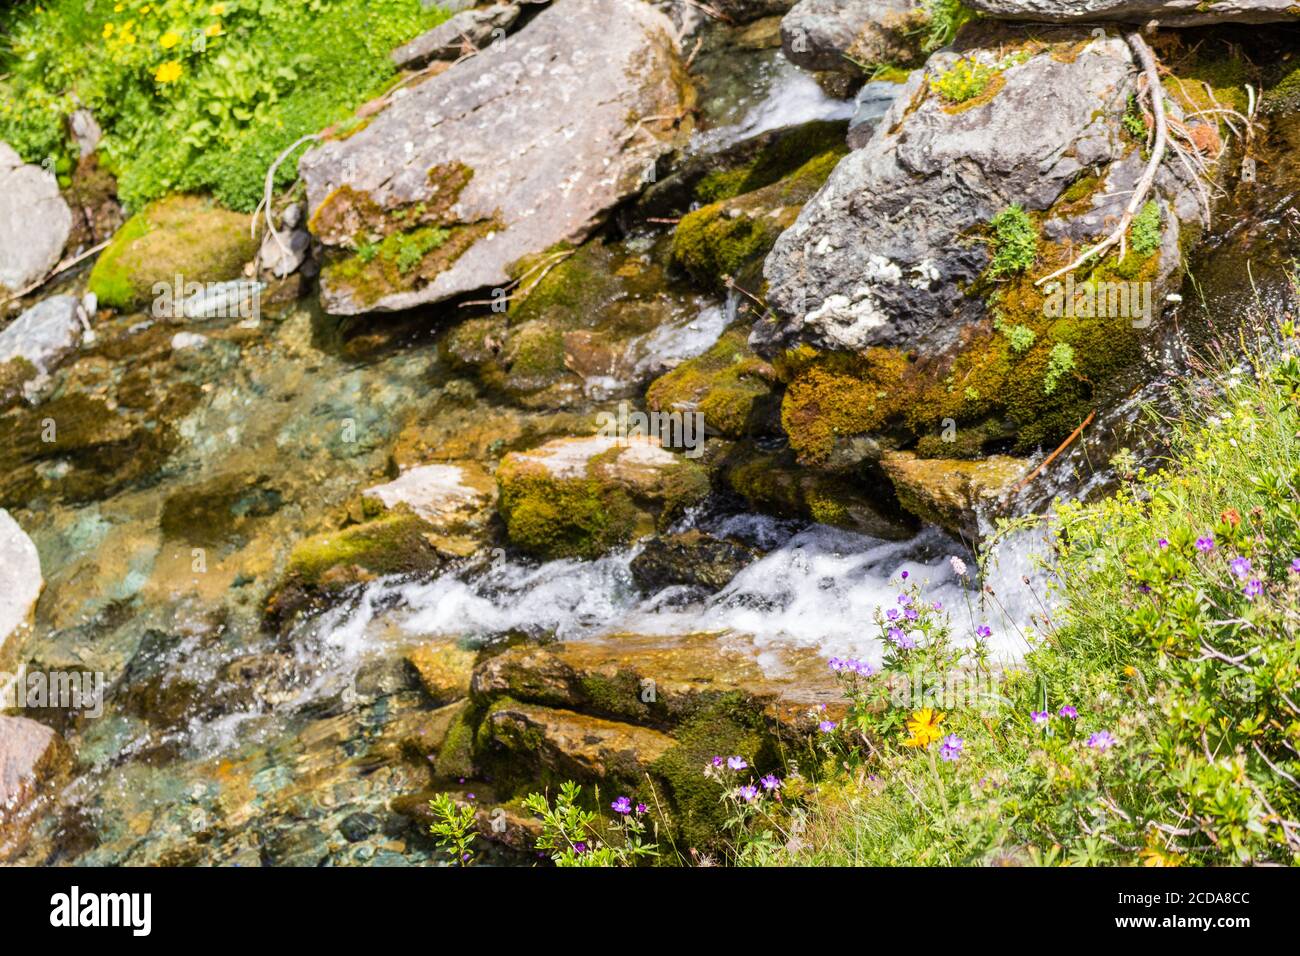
pixel 1145 230
pixel 578 837
pixel 1015 242
pixel 1060 362
pixel 453 827
pixel 195 96
pixel 1021 338
pixel 964 80
pixel 943 19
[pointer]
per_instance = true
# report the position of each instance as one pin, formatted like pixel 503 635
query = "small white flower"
pixel 958 566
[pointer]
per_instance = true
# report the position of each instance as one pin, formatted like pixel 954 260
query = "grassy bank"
pixel 193 96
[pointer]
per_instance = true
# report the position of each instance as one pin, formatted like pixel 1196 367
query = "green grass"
pixel 1164 639
pixel 270 72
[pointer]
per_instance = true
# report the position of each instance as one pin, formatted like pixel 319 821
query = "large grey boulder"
pixel 886 252
pixel 1170 13
pixel 448 40
pixel 824 34
pixel 526 145
pixel 34 221
pixel 20 578
pixel 45 334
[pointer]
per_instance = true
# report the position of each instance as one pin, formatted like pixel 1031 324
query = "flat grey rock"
pixel 446 41
pixel 1170 13
pixel 817 34
pixel 525 145
pixel 45 334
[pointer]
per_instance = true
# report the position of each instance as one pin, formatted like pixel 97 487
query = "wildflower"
pixel 641 808
pixel 1068 711
pixel 1162 543
pixel 900 638
pixel 1205 543
pixel 892 614
pixel 826 726
pixel 838 664
pixel 580 847
pixel 904 600
pixel 1240 566
pixel 771 782
pixel 950 747
pixel 923 725
pixel 168 72
pixel 1295 565
pixel 717 761
pixel 108 30
pixel 217 9
pixel 863 669
pixel 938 605
pixel 1101 740
pixel 736 763
pixel 1230 517
pixel 1253 588
pixel 904 575
pixel 622 805
pixel 958 566
pixel 169 39
pixel 748 792
pixel 984 631
pixel 213 30
pixel 911 614
pixel 1039 716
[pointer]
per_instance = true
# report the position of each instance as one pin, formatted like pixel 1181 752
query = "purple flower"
pixel 911 614
pixel 862 668
pixel 1205 543
pixel 1039 716
pixel 579 847
pixel 1144 588
pixel 1068 711
pixel 1240 567
pixel 904 600
pixel 736 763
pixel 950 747
pixel 1162 543
pixel 748 792
pixel 984 631
pixel 1101 740
pixel 771 782
pixel 938 605
pixel 1253 588
pixel 469 796
pixel 1295 565
pixel 904 575
pixel 900 638
pixel 892 614
pixel 826 726
pixel 717 761
pixel 622 805
pixel 838 664
pixel 640 808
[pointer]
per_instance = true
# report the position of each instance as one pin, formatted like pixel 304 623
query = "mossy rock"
pixel 327 563
pixel 782 157
pixel 186 236
pixel 444 668
pixel 580 497
pixel 728 239
pixel 952 493
pixel 729 385
pixel 774 483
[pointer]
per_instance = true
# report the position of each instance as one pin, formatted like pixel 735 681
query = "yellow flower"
pixel 119 8
pixel 214 30
pixel 923 725
pixel 108 30
pixel 169 39
pixel 168 72
pixel 217 9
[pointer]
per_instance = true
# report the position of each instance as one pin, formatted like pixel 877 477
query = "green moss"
pixel 389 545
pixel 563 518
pixel 402 262
pixel 729 385
pixel 455 758
pixel 184 236
pixel 832 396
pixel 783 157
pixel 1144 232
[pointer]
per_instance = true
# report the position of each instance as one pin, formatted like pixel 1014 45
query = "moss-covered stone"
pixel 955 495
pixel 729 385
pixel 728 239
pixel 444 667
pixel 580 497
pixel 185 236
